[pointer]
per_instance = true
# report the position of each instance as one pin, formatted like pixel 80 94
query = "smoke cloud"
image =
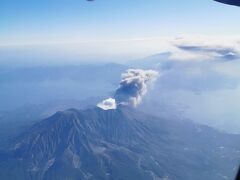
pixel 134 85
pixel 132 88
pixel 107 104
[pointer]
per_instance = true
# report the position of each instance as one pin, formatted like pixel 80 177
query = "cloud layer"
pixel 205 48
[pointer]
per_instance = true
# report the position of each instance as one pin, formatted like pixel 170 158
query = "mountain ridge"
pixel 120 144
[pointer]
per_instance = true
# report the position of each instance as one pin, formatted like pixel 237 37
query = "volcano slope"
pixel 121 144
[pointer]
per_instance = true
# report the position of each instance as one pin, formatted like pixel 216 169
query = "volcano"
pixel 119 144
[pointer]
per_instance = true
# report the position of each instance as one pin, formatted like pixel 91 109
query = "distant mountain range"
pixel 182 89
pixel 41 84
pixel 121 144
pixel 202 90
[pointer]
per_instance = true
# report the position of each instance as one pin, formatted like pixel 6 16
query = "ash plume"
pixel 132 88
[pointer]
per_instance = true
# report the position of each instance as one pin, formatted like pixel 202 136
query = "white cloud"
pixel 107 104
pixel 202 48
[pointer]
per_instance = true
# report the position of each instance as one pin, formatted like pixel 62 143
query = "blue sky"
pixel 65 21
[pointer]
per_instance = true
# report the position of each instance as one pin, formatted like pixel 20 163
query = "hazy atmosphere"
pixel 134 89
pixel 46 32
